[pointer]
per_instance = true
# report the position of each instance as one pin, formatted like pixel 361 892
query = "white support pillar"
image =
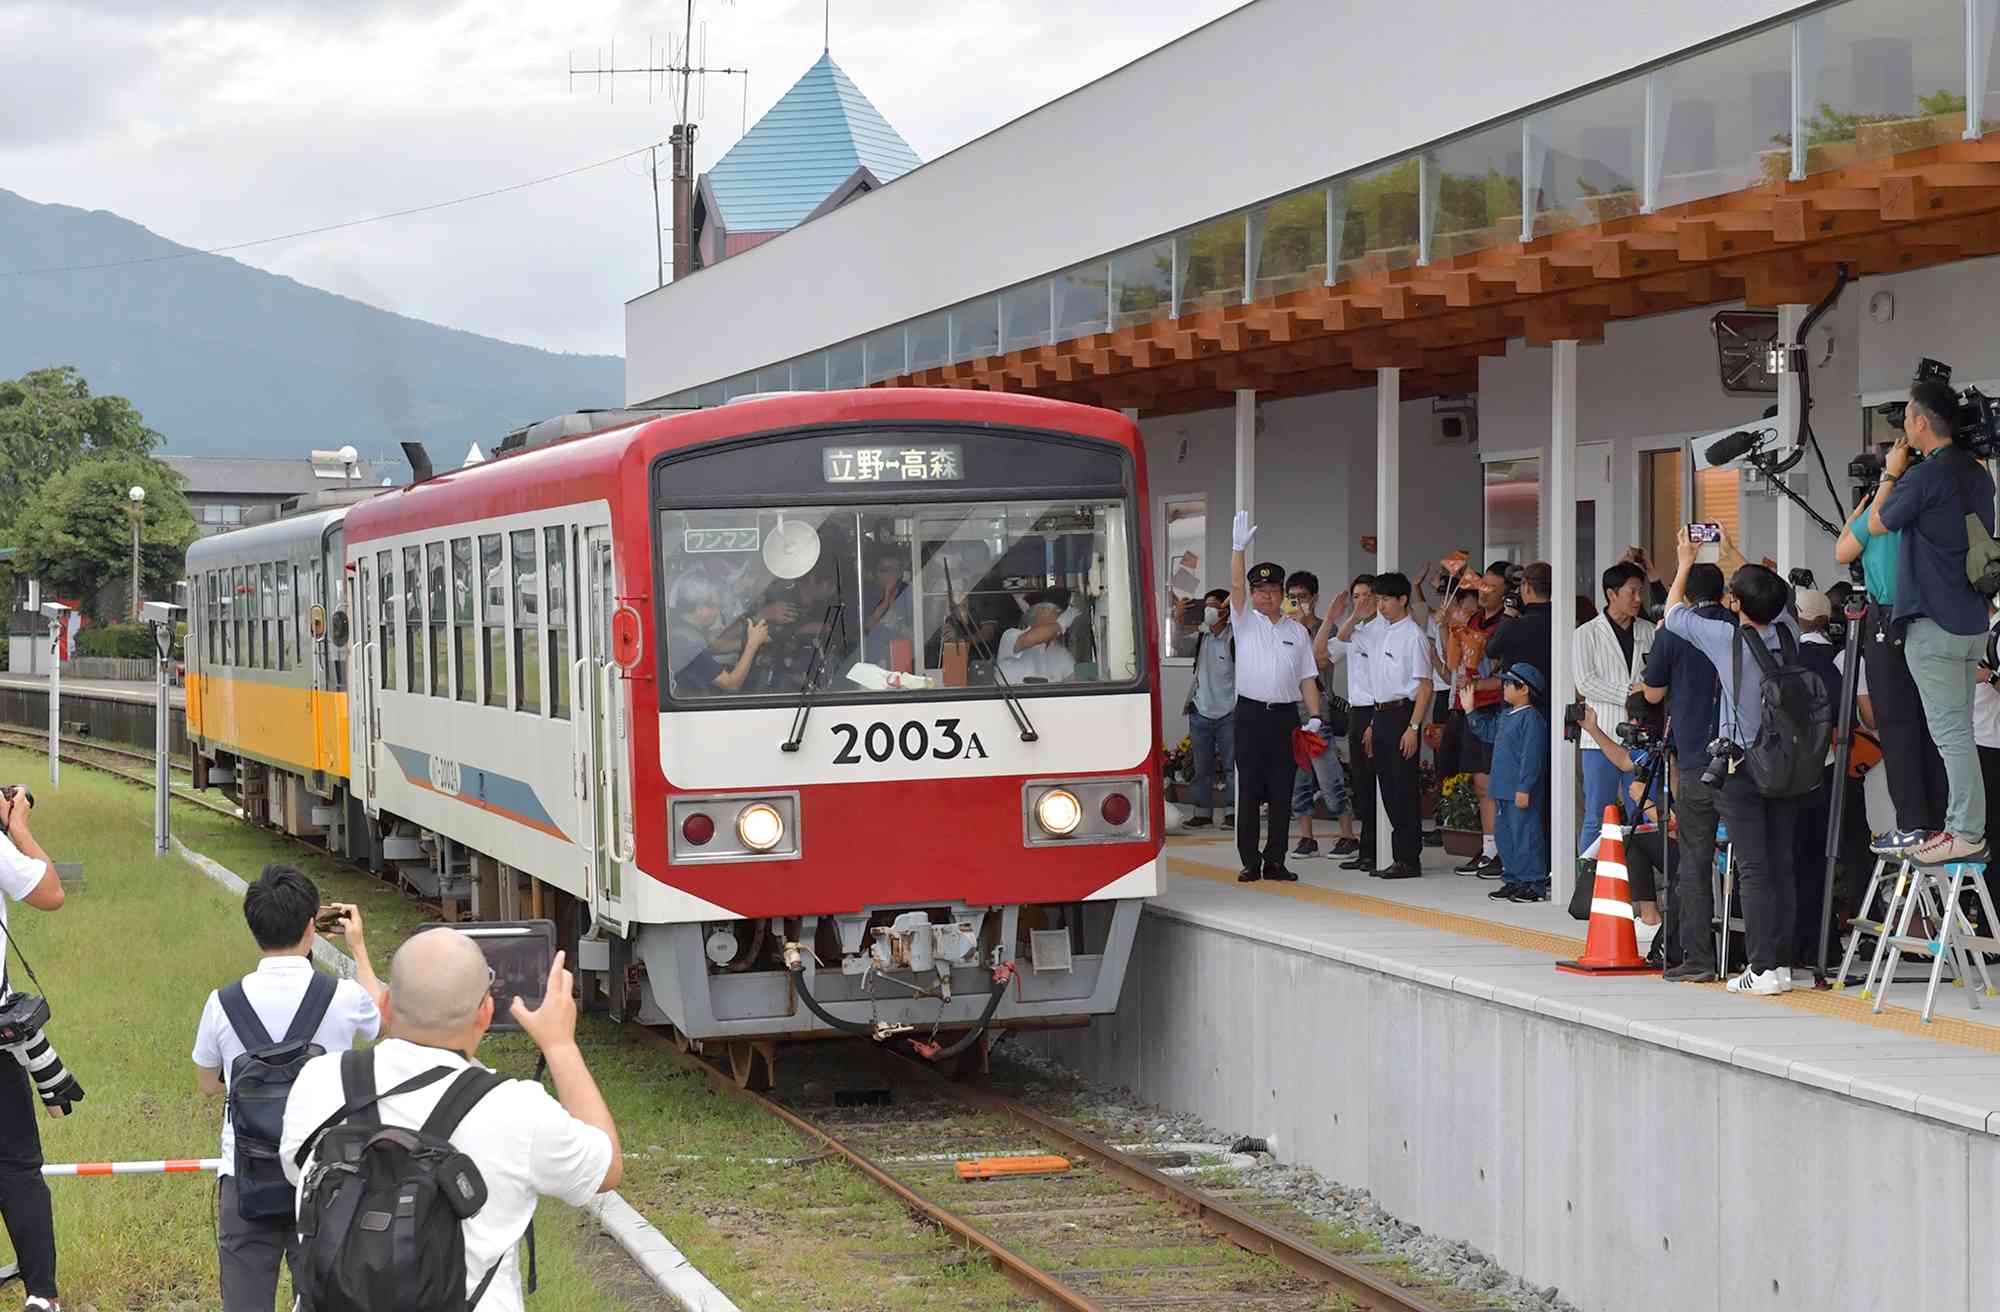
pixel 1246 451
pixel 1560 544
pixel 1790 549
pixel 1388 524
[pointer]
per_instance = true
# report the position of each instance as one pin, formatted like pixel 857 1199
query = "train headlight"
pixel 760 827
pixel 1058 812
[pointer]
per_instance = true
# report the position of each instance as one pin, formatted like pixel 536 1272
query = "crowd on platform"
pixel 1709 691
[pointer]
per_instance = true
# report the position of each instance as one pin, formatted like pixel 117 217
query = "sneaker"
pixel 1538 892
pixel 1280 875
pixel 1690 972
pixel 1472 865
pixel 1229 822
pixel 1200 822
pixel 1948 849
pixel 1900 842
pixel 1306 847
pixel 1400 870
pixel 36 1303
pixel 1491 870
pixel 1504 893
pixel 1764 983
pixel 1345 847
pixel 1248 877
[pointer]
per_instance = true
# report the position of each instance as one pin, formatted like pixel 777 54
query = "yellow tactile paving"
pixel 1841 1004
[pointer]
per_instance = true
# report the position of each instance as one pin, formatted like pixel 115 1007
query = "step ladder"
pixel 1953 940
pixel 1891 879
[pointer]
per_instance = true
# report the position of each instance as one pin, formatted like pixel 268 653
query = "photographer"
pixel 1943 618
pixel 279 998
pixel 1632 752
pixel 1678 674
pixel 1761 827
pixel 28 875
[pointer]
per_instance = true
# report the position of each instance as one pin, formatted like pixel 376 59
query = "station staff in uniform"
pixel 1354 645
pixel 1400 676
pixel 1275 670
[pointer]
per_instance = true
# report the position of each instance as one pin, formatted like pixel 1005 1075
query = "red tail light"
pixel 697 829
pixel 1117 809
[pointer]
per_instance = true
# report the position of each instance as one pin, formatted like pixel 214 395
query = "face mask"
pixel 1210 615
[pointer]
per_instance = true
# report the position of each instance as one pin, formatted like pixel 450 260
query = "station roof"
pixel 811 142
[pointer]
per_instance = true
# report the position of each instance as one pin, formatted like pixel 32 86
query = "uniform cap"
pixel 1268 572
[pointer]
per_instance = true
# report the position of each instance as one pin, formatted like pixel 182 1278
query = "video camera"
pixel 1573 722
pixel 1975 425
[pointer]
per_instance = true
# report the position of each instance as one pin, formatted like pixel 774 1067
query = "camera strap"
pixel 17 952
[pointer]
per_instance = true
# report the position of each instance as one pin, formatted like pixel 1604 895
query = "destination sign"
pixel 893 464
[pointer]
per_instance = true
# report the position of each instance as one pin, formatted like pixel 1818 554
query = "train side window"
pixel 413 619
pixel 493 619
pixel 287 644
pixel 212 613
pixel 232 630
pixel 555 593
pixel 253 593
pixel 462 632
pixel 439 618
pixel 385 573
pixel 527 623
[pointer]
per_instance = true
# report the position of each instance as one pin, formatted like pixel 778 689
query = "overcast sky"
pixel 221 121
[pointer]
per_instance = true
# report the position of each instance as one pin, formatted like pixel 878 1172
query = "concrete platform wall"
pixel 1624 1173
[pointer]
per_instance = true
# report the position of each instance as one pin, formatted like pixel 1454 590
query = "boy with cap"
pixel 1519 786
pixel 1275 671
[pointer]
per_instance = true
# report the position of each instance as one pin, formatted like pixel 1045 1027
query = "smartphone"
pixel 329 920
pixel 1708 536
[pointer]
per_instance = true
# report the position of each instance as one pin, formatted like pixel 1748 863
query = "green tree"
pixel 75 534
pixel 48 421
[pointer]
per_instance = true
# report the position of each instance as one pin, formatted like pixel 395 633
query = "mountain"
pixel 225 359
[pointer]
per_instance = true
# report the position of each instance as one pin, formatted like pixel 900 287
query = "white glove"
pixel 1312 725
pixel 1240 531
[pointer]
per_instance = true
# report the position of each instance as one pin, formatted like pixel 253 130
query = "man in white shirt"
pixel 1353 645
pixel 1275 670
pixel 1036 651
pixel 1610 654
pixel 1400 677
pixel 282 909
pixel 525 1143
pixel 26 875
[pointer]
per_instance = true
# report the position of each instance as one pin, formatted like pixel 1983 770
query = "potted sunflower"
pixel 1458 815
pixel 1177 769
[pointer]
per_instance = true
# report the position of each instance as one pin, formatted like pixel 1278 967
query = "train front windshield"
pixel 899 599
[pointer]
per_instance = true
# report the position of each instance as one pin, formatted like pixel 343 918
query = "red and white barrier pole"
pixel 173 1166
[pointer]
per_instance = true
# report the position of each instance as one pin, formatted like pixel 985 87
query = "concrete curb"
pixel 664 1264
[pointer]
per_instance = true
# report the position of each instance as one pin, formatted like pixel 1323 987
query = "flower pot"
pixel 1463 842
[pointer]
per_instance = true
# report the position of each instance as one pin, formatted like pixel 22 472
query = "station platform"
pixel 1603 1135
pixel 125 690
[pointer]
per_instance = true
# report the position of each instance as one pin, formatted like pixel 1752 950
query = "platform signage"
pixel 931 463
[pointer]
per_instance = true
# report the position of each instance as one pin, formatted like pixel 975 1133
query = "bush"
pixel 131 641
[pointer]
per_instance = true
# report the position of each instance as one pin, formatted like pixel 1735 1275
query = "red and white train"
pixel 807 713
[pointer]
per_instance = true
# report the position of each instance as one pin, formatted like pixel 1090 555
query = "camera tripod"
pixel 1856 612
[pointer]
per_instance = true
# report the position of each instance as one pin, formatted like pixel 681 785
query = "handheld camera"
pixel 520 953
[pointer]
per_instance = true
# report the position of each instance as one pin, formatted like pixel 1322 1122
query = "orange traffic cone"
pixel 1612 947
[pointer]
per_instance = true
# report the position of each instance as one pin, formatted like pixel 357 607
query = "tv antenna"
pixel 679 71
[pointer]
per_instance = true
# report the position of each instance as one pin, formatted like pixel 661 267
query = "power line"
pixel 330 227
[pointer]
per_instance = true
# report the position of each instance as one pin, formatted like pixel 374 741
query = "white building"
pixel 1287 238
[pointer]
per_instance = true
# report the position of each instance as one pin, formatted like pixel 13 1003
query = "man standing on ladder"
pixel 1275 670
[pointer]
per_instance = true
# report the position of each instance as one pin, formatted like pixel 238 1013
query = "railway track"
pixel 1112 1231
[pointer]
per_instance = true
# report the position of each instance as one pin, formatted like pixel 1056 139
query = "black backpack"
pixel 1788 759
pixel 380 1214
pixel 259 1083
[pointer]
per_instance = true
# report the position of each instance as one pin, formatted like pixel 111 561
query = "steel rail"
pixel 1215 1214
pixel 1025 1275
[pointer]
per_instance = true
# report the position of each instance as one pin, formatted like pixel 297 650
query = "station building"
pixel 1407 280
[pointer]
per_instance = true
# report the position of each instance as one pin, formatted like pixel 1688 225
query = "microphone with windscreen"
pixel 1737 445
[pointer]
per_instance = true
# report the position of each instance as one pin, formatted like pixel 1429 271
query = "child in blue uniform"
pixel 1519 787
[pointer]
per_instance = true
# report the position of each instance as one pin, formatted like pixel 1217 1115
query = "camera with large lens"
pixel 1975 423
pixel 1638 737
pixel 1723 756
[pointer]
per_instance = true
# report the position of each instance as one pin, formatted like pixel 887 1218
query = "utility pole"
pixel 659 258
pixel 686 69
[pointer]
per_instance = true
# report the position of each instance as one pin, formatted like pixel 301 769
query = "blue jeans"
pixel 1604 784
pixel 1210 737
pixel 1327 779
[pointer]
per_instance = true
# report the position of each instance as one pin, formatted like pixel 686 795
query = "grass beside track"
pixel 129 962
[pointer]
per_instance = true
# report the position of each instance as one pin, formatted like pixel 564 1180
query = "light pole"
pixel 137 496
pixel 164 617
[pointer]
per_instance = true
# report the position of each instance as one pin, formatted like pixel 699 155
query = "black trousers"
pixel 1917 783
pixel 1265 771
pixel 1694 889
pixel 1398 775
pixel 1361 778
pixel 1761 831
pixel 24 1195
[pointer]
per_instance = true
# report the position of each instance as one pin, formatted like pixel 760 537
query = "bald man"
pixel 525 1143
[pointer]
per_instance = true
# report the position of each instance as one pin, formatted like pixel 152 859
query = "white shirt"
pixel 274 991
pixel 1272 659
pixel 1401 662
pixel 19 873
pixel 1435 636
pixel 1049 661
pixel 1359 651
pixel 522 1140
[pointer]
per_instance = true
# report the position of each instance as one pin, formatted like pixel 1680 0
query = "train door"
pixel 361 708
pixel 599 722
